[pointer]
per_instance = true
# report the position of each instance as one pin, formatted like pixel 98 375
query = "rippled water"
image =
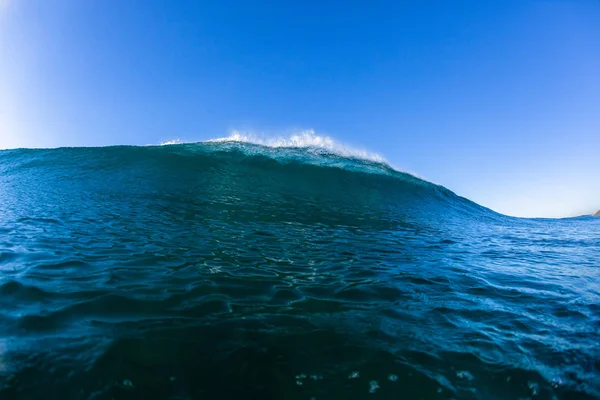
pixel 228 270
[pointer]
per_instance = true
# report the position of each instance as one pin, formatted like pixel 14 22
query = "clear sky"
pixel 496 100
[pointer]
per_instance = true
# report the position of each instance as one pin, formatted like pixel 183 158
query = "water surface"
pixel 238 271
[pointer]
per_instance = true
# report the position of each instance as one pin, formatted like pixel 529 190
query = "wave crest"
pixel 302 139
pixel 169 142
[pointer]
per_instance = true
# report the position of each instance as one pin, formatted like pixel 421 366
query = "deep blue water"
pixel 238 271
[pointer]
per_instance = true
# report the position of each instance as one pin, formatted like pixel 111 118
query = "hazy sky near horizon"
pixel 498 101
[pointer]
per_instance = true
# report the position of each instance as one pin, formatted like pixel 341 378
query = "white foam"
pixel 373 386
pixel 302 139
pixel 169 142
pixel 354 375
pixel 534 387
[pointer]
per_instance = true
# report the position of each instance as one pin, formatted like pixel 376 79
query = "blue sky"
pixel 499 100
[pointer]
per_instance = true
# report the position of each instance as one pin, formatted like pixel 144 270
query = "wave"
pixel 304 163
pixel 312 148
pixel 305 146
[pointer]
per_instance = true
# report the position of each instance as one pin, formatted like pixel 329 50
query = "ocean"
pixel 238 270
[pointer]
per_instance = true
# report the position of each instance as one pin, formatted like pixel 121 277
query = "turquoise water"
pixel 239 271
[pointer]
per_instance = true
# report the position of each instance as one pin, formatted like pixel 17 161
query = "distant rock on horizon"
pixel 597 214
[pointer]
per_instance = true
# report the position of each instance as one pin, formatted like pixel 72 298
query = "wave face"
pixel 296 269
